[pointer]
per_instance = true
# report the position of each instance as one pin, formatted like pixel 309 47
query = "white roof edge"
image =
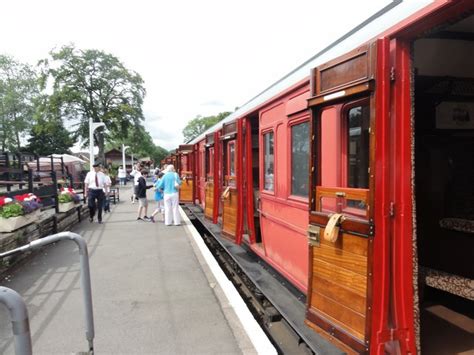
pixel 388 16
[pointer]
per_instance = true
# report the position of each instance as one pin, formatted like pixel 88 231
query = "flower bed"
pixel 18 211
pixel 68 199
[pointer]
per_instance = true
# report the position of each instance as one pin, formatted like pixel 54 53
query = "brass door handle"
pixel 226 193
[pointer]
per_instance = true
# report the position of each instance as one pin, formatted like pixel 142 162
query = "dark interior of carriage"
pixel 254 122
pixel 444 186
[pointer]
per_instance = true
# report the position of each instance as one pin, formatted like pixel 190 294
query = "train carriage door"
pixel 186 173
pixel 229 195
pixel 341 230
pixel 211 181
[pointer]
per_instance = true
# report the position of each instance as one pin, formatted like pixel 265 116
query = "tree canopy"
pixel 199 124
pixel 18 91
pixel 141 144
pixel 93 84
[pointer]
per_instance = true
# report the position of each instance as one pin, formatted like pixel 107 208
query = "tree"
pixel 199 124
pixel 140 143
pixel 18 90
pixel 93 84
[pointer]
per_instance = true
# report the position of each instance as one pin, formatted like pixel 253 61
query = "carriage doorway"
pixel 443 187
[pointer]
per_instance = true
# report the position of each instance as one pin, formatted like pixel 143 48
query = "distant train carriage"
pixel 185 162
pixel 353 178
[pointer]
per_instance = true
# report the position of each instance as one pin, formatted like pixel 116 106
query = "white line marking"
pixel 257 336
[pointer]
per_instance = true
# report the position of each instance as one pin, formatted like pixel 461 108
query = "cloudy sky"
pixel 197 57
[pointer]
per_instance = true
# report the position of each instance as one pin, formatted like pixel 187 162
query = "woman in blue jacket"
pixel 169 184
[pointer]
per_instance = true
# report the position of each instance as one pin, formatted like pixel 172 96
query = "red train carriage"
pixel 368 149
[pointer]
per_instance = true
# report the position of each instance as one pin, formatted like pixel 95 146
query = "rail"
pixel 85 274
pixel 19 317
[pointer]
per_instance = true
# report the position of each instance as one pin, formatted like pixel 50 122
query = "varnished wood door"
pixel 341 219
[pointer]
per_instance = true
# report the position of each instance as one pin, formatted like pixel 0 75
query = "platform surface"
pixel 152 293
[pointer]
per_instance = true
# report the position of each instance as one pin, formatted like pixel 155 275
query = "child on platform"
pixel 160 207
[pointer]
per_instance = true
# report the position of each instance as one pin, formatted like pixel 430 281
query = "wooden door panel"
pixel 342 295
pixel 342 258
pixel 339 314
pixel 209 205
pixel 186 190
pixel 229 215
pixel 341 276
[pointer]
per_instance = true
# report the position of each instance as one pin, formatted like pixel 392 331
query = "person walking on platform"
pixel 141 194
pixel 94 186
pixel 136 175
pixel 160 208
pixel 170 183
pixel 108 185
pixel 122 175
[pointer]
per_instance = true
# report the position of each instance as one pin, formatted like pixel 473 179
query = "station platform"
pixel 156 290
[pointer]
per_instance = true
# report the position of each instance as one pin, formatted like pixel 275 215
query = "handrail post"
pixel 85 273
pixel 19 317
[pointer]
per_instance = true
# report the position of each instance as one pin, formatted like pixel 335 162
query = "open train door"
pixel 212 183
pixel 230 189
pixel 344 293
pixel 185 155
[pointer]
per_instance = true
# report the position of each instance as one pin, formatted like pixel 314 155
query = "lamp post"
pixel 92 127
pixel 124 148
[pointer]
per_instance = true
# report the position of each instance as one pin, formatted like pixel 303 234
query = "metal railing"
pixel 21 327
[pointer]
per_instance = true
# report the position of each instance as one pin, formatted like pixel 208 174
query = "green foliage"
pixel 18 91
pixel 141 144
pixel 199 124
pixel 93 84
pixel 49 138
pixel 11 210
pixel 65 198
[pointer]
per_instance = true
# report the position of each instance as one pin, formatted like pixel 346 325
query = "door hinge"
pixel 391 210
pixel 392 74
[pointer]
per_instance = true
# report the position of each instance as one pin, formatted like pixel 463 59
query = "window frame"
pixel 304 117
pixel 262 161
pixel 346 107
pixel 231 143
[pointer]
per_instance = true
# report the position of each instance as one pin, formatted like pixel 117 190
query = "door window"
pixel 268 161
pixel 358 121
pixel 232 158
pixel 299 159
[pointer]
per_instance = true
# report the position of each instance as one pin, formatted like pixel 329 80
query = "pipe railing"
pixel 85 275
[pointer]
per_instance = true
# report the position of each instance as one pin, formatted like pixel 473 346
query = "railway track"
pixel 279 328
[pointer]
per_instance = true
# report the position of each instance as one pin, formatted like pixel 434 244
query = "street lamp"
pixel 124 148
pixel 92 127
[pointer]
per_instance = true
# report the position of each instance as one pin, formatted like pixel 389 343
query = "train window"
pixel 231 158
pixel 299 159
pixel 358 122
pixel 268 161
pixel 210 162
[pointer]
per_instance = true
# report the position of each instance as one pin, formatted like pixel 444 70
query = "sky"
pixel 196 57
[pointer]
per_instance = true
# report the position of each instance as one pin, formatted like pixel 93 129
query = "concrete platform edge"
pixel 248 333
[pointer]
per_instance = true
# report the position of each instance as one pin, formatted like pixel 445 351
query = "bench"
pixel 454 284
pixel 114 195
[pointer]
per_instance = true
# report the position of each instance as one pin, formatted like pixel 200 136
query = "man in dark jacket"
pixel 141 195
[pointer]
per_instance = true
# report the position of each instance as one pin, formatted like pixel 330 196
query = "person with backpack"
pixel 160 207
pixel 170 184
pixel 141 195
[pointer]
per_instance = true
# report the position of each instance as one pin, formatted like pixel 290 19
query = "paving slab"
pixel 151 294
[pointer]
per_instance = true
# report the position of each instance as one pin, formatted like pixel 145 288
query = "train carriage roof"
pixel 380 22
